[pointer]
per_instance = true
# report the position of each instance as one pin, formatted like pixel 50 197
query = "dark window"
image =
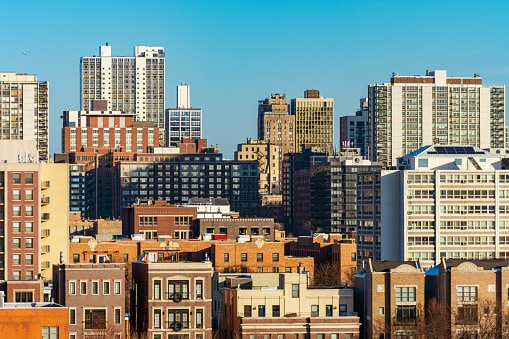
pixel 343 309
pixel 405 314
pixel 76 258
pixel 95 319
pixel 295 290
pixel 178 319
pixel 247 310
pixel 259 257
pixel 261 310
pixel 275 256
pixel 467 314
pixel 328 310
pixel 24 297
pixel 243 257
pixel 199 289
pixel 226 257
pixel 276 311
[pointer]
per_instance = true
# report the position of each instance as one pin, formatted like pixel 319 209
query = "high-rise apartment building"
pixel 446 202
pixel 353 130
pixel 314 120
pixel 412 111
pixel 25 110
pixel 132 84
pixel 183 122
pixel 275 124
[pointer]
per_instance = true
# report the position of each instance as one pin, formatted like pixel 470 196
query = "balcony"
pixel 45 201
pixel 45 217
pixel 45 232
pixel 45 184
pixel 45 265
pixel 45 249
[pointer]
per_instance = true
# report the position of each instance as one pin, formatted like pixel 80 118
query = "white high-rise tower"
pixel 183 121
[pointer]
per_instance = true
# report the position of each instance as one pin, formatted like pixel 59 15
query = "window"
pixel 157 318
pixel 76 258
pixel 16 275
pixel 178 319
pixel 16 227
pixel 295 290
pixel 275 256
pixel 29 243
pixel 328 310
pixel 226 257
pixel 467 314
pixel 72 287
pixel 95 319
pixel 16 211
pixel 157 289
pixel 261 311
pixel 16 259
pixel 106 287
pixel 29 227
pixel 117 287
pixel 276 311
pixel 126 257
pixel 405 313
pixel 29 194
pixel 247 311
pixel 24 297
pixel 405 293
pixel 199 289
pixel 343 309
pixel 466 293
pixel 118 318
pixel 16 243
pixel 83 287
pixel 243 257
pixel 288 269
pixel 29 211
pixel 422 162
pixel 178 289
pixel 72 316
pixel 353 256
pixel 95 287
pixel 16 194
pixel 16 178
pixel 29 259
pixel 199 318
pixel 381 310
pixel 50 332
pixel 314 311
pixel 29 178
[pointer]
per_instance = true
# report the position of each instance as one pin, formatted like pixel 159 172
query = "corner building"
pixel 412 111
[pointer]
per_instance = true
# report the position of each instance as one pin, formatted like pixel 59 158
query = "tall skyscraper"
pixel 25 110
pixel 133 84
pixel 183 122
pixel 314 120
pixel 275 124
pixel 413 111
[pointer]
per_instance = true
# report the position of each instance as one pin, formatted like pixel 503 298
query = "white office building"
pixel 183 121
pixel 446 201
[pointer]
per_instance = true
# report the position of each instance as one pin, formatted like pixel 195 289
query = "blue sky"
pixel 234 53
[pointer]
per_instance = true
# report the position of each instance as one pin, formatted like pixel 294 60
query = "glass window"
pixel 199 289
pixel 76 258
pixel 343 309
pixel 29 211
pixel 72 287
pixel 178 289
pixel 295 290
pixel 157 289
pixel 83 287
pixel 29 243
pixel 29 194
pixel 259 257
pixel 50 332
pixel 157 318
pixel 466 293
pixel 275 256
pixel 199 318
pixel 226 257
pixel 118 318
pixel 422 162
pixel 29 226
pixel 95 287
pixel 328 310
pixel 16 211
pixel 29 259
pixel 314 311
pixel 106 287
pixel 261 311
pixel 178 319
pixel 16 243
pixel 117 287
pixel 276 311
pixel 95 319
pixel 243 257
pixel 72 316
pixel 16 227
pixel 16 178
pixel 29 178
pixel 405 293
pixel 247 311
pixel 16 259
pixel 16 194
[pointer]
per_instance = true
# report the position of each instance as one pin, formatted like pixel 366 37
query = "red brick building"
pixel 157 218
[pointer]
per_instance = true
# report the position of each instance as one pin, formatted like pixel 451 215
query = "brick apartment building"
pixel 172 299
pixel 388 296
pixel 157 218
pixel 95 296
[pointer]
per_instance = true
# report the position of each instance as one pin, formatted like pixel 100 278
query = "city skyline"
pixel 244 52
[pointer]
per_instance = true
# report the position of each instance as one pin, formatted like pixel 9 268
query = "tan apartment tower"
pixel 25 110
pixel 413 111
pixel 314 121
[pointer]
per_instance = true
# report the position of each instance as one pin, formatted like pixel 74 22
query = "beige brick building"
pixel 388 297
